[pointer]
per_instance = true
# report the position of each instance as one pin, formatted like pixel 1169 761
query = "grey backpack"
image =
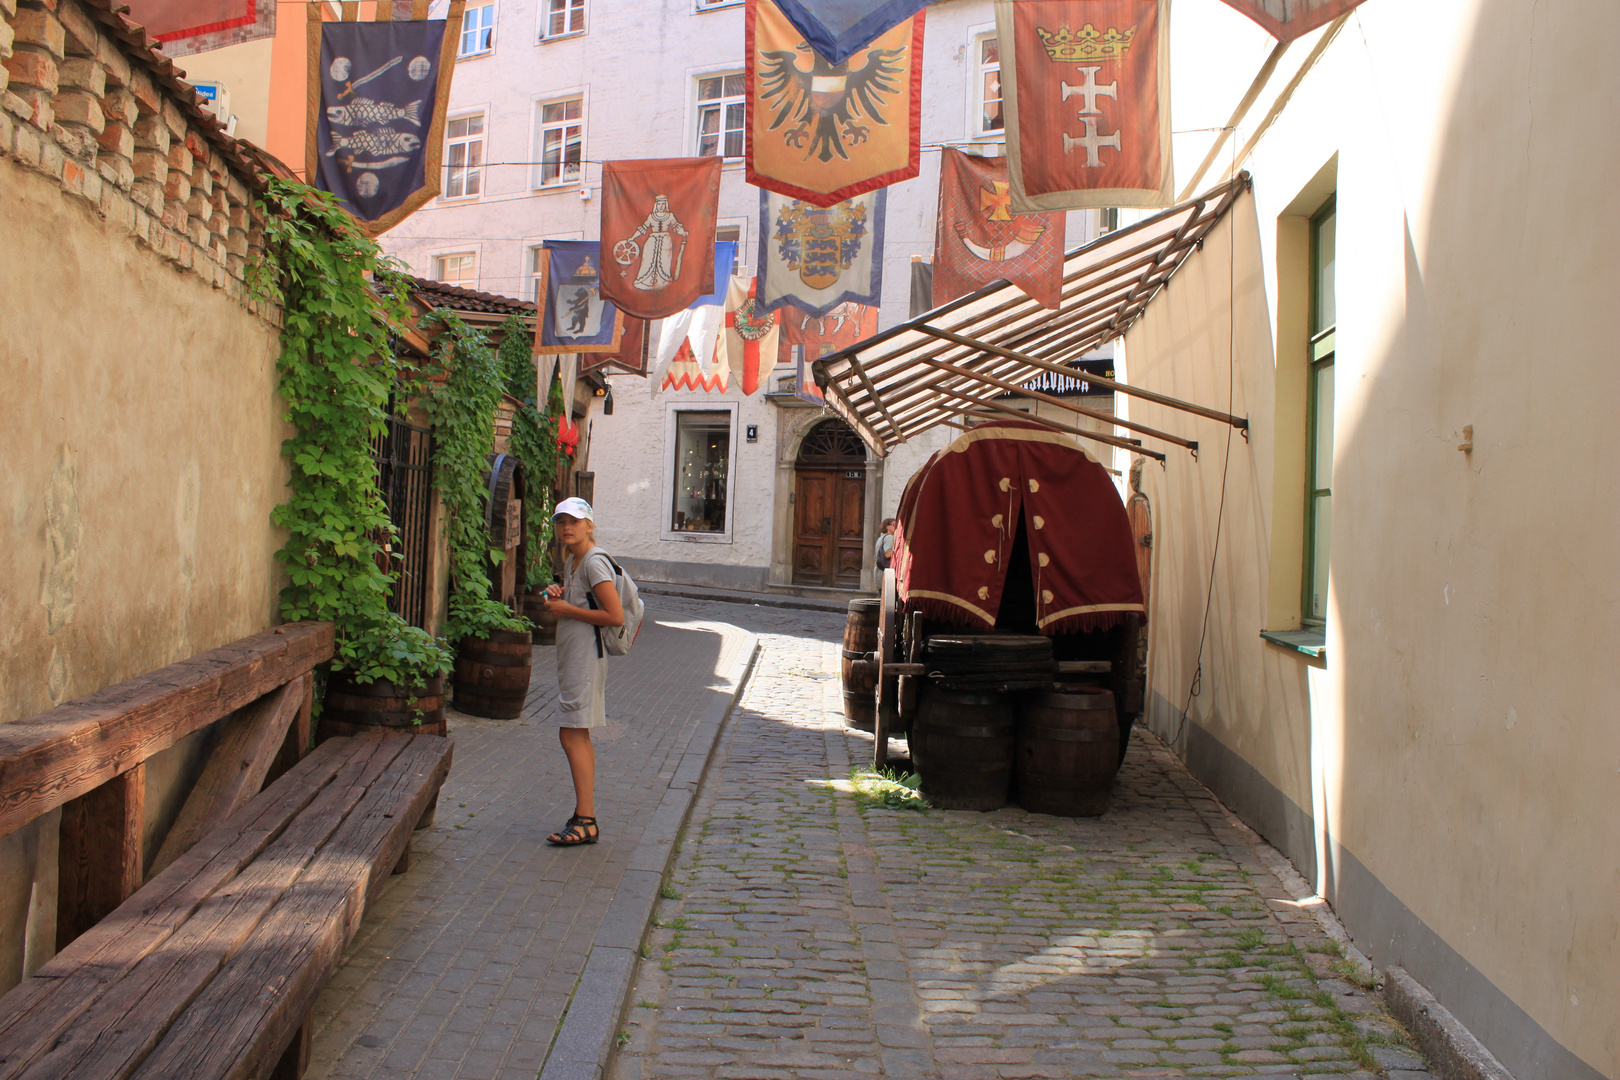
pixel 616 640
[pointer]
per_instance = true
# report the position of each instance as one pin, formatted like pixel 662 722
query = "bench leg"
pixel 426 820
pixel 295 1059
pixel 404 863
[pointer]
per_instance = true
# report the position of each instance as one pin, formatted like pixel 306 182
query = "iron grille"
pixel 404 457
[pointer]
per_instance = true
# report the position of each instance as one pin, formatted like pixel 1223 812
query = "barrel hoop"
pixel 966 732
pixel 1069 735
pixel 856 654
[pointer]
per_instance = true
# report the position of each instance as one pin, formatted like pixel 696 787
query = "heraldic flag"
pixel 816 258
pixel 842 326
pixel 576 319
pixel 836 28
pixel 751 335
pixel 824 132
pixel 658 227
pixel 632 354
pixel 980 239
pixel 1286 20
pixel 377 127
pixel 1086 86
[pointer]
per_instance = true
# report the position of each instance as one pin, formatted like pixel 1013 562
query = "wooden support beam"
pixel 1123 444
pixel 99 860
pixel 236 768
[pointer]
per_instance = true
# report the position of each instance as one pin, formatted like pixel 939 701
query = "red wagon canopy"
pixel 959 519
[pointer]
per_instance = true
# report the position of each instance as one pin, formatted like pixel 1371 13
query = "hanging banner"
pixel 1086 86
pixel 632 354
pixel 576 319
pixel 545 374
pixel 1286 20
pixel 825 132
pixel 806 388
pixel 837 28
pixel 192 26
pixel 695 332
pixel 569 363
pixel 843 325
pixel 751 335
pixel 816 258
pixel 658 226
pixel 375 124
pixel 980 240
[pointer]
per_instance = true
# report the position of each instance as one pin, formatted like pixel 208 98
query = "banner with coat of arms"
pixel 823 131
pixel 817 258
pixel 632 354
pixel 751 335
pixel 376 113
pixel 658 226
pixel 843 325
pixel 575 319
pixel 1086 87
pixel 980 240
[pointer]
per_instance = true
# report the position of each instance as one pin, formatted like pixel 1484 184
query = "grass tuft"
pixel 888 789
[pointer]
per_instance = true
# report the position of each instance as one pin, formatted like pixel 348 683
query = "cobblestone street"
pixel 808 932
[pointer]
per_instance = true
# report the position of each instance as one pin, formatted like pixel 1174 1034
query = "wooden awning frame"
pixel 952 364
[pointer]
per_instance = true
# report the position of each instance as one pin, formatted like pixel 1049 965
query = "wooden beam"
pixel 1016 414
pixel 236 768
pixel 57 756
pixel 99 860
pixel 1261 77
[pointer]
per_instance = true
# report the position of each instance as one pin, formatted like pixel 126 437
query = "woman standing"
pixel 581 662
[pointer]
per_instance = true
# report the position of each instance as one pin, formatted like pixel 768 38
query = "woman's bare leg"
pixel 576 743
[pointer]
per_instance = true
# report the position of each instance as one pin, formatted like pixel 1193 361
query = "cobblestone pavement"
pixel 810 933
pixel 464 965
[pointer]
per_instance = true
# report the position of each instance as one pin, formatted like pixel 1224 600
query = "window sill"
pixel 547 189
pixel 718 7
pixel 548 39
pixel 696 537
pixel 474 55
pixel 1312 643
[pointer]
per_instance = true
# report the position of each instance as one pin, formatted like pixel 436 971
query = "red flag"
pixel 750 335
pixel 658 228
pixel 844 324
pixel 980 239
pixel 1086 85
pixel 632 354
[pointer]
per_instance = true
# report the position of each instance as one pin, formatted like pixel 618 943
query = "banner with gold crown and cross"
pixel 1086 87
pixel 980 240
pixel 824 132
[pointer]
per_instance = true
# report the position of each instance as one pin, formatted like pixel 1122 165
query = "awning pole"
pixel 1123 444
pixel 1095 380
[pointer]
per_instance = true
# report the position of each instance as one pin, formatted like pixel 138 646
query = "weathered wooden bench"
pixel 211 968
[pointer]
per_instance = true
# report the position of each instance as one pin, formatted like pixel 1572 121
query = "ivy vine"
pixel 337 374
pixel 534 443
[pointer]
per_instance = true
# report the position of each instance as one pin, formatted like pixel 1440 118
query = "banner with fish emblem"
pixel 632 354
pixel 576 318
pixel 1086 88
pixel 836 28
pixel 816 258
pixel 825 132
pixel 979 239
pixel 750 337
pixel 843 325
pixel 658 226
pixel 376 125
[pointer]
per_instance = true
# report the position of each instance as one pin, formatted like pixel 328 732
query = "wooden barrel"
pixel 545 622
pixel 1068 751
pixel 492 674
pixel 860 674
pixel 351 708
pixel 962 745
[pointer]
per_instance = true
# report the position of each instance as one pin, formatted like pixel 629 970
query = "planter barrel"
pixel 545 622
pixel 351 708
pixel 492 674
pixel 1068 751
pixel 859 673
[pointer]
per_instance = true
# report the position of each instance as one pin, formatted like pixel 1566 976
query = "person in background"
pixel 884 552
pixel 581 664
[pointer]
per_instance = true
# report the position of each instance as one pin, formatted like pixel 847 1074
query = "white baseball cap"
pixel 576 507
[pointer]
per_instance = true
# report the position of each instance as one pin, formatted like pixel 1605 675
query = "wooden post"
pixel 100 860
pixel 295 1059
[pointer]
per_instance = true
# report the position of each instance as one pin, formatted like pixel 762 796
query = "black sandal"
pixel 574 834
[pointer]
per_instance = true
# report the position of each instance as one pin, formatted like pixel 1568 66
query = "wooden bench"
pixel 212 967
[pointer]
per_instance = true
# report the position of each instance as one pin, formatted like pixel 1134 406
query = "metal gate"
pixel 404 457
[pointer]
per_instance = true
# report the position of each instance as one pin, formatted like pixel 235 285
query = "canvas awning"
pixel 953 364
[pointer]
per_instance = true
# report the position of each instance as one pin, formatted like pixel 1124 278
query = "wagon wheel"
pixel 909 684
pixel 888 688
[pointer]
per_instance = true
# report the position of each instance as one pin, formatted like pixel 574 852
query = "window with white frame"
pixel 559 18
pixel 560 136
pixel 458 269
pixel 533 272
pixel 477 30
pixel 720 115
pixel 987 115
pixel 464 156
pixel 702 468
pixel 705 5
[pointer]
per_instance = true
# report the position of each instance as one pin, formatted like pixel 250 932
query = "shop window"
pixel 702 464
pixel 720 116
pixel 1319 421
pixel 560 136
pixel 464 156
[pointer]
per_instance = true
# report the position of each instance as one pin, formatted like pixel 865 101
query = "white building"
pixel 544 92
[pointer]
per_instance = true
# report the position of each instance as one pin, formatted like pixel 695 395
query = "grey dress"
pixel 581 674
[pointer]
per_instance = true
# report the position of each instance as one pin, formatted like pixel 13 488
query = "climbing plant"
pixel 533 442
pixel 339 298
pixel 461 402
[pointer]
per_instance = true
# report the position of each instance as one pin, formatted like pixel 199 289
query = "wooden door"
pixel 814 502
pixel 850 554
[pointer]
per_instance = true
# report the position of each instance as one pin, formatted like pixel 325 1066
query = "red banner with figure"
pixel 658 233
pixel 980 239
pixel 826 132
pixel 1086 86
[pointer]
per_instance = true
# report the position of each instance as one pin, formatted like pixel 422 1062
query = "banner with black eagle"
pixel 823 131
pixel 1086 88
pixel 658 226
pixel 376 113
pixel 980 239
pixel 575 316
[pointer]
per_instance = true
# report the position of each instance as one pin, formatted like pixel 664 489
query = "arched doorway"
pixel 829 507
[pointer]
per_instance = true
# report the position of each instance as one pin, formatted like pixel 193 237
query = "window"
pixel 460 269
pixel 477 30
pixel 534 273
pixel 1319 421
pixel 561 18
pixel 987 88
pixel 464 156
pixel 720 116
pixel 702 458
pixel 705 5
pixel 561 141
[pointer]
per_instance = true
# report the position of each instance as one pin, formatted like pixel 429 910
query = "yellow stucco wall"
pixel 1456 757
